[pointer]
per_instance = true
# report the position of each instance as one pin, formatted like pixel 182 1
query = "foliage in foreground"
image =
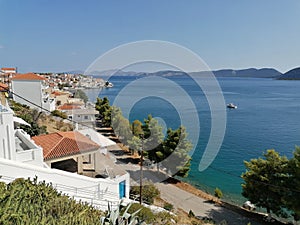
pixel 32 202
pixel 273 183
pixel 121 216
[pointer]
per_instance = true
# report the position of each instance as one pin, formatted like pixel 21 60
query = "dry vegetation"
pixel 54 124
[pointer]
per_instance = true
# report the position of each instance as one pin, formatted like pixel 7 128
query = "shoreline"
pixel 254 216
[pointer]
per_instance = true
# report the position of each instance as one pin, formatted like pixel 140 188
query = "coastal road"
pixel 180 198
pixel 201 207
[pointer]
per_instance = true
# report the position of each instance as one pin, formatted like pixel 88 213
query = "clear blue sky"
pixel 62 35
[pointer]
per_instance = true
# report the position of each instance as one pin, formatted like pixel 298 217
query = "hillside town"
pixel 51 132
pixel 76 161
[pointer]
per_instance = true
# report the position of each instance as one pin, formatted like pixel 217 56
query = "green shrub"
pixel 191 214
pixel 149 192
pixel 59 114
pixel 168 206
pixel 31 202
pixel 145 214
pixel 218 193
pixel 164 218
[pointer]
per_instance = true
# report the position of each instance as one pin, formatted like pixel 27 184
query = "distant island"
pixel 293 74
pixel 251 72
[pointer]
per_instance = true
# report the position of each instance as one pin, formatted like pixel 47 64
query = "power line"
pixel 214 168
pixel 44 109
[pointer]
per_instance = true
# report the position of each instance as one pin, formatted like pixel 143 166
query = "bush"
pixel 168 206
pixel 145 214
pixel 164 218
pixel 31 202
pixel 59 114
pixel 191 214
pixel 149 192
pixel 218 193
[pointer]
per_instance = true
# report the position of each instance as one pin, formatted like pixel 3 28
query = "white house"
pixel 32 87
pixel 85 117
pixel 17 145
pixel 20 156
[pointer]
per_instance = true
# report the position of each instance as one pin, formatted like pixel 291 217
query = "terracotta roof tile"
pixel 3 87
pixel 69 107
pixel 28 76
pixel 61 144
pixel 6 68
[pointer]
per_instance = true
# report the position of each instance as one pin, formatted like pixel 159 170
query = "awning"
pixel 20 121
pixel 98 138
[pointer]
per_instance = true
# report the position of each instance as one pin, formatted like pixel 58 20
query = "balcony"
pixel 27 151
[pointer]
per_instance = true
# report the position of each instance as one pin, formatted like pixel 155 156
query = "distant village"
pixel 49 91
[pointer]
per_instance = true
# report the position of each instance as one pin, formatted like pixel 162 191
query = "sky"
pixel 64 35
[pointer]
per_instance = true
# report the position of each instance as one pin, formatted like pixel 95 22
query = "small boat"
pixel 231 106
pixel 108 84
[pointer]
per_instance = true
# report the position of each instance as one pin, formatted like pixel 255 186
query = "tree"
pixel 105 110
pixel 137 128
pixel 135 143
pixel 176 150
pixel 292 185
pixel 263 181
pixel 153 139
pixel 120 125
pixel 81 94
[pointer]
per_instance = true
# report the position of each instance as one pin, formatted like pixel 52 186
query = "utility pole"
pixel 141 169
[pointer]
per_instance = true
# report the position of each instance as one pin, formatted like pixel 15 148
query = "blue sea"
pixel 267 117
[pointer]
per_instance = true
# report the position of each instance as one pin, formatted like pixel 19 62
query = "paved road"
pixel 187 201
pixel 183 199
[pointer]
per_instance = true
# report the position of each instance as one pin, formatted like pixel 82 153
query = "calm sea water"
pixel 268 117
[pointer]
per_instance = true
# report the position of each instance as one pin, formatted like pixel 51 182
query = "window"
pixel 87 159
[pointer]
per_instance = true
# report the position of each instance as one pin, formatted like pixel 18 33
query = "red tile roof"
pixel 3 87
pixel 61 144
pixel 58 93
pixel 69 107
pixel 28 76
pixel 12 69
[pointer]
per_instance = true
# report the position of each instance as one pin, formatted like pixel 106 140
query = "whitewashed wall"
pixel 93 190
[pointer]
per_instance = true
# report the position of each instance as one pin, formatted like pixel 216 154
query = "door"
pixel 122 189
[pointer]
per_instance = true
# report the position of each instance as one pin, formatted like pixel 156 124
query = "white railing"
pixel 95 191
pixel 92 197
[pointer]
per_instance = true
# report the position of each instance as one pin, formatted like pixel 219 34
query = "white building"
pixel 17 145
pixel 6 74
pixel 32 87
pixel 20 156
pixel 84 117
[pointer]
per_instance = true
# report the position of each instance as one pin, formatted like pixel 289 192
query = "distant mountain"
pixel 74 72
pixel 293 74
pixel 252 72
pixel 106 73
